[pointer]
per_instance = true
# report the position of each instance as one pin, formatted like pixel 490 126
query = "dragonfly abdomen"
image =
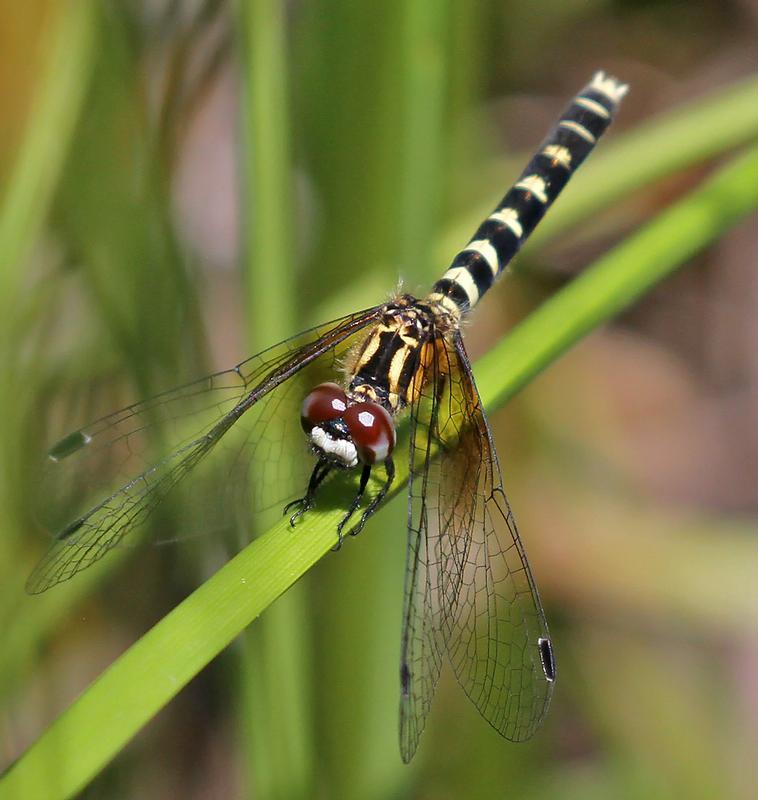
pixel 475 268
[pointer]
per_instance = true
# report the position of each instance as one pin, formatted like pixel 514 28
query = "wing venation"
pixel 470 596
pixel 110 476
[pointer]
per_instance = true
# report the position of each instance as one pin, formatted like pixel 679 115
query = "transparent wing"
pixel 120 468
pixel 423 642
pixel 470 594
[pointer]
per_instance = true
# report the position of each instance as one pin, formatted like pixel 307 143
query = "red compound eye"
pixel 327 401
pixel 372 430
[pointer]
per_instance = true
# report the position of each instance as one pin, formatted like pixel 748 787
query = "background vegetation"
pixel 185 183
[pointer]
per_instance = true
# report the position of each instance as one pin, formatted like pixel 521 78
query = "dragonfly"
pixel 470 597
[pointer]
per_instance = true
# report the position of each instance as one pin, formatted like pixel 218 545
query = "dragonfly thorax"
pixel 390 366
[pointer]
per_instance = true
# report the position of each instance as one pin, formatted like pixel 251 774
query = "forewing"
pixel 469 591
pixel 423 639
pixel 108 477
pixel 498 641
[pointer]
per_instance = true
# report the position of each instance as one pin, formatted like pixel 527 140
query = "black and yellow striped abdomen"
pixel 392 364
pixel 500 236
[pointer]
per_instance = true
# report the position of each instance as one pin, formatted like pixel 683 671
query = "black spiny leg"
pixel 354 505
pixel 389 468
pixel 303 504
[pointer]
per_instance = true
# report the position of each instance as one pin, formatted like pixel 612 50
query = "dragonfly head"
pixel 346 432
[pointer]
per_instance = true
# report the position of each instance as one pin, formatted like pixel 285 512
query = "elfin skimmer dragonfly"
pixel 469 593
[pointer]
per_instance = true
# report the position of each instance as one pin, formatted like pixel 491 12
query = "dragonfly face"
pixel 344 431
pixel 470 597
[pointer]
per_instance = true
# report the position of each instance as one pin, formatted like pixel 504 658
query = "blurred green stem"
pixel 423 87
pixel 30 189
pixel 25 204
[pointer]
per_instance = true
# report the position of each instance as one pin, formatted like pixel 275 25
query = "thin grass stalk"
pixel 275 714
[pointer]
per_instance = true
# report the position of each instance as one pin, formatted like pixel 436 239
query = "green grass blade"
pixel 423 122
pixel 275 661
pixel 89 734
pixel 267 177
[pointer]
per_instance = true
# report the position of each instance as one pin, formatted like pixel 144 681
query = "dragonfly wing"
pixel 470 594
pixel 423 641
pixel 246 416
pixel 89 537
pixel 498 643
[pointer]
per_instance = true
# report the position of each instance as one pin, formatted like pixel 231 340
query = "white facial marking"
pixel 341 449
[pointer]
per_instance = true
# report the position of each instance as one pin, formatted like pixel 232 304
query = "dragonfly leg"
pixel 303 504
pixel 354 505
pixel 389 468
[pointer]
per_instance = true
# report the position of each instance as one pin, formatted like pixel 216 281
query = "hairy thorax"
pixel 392 365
